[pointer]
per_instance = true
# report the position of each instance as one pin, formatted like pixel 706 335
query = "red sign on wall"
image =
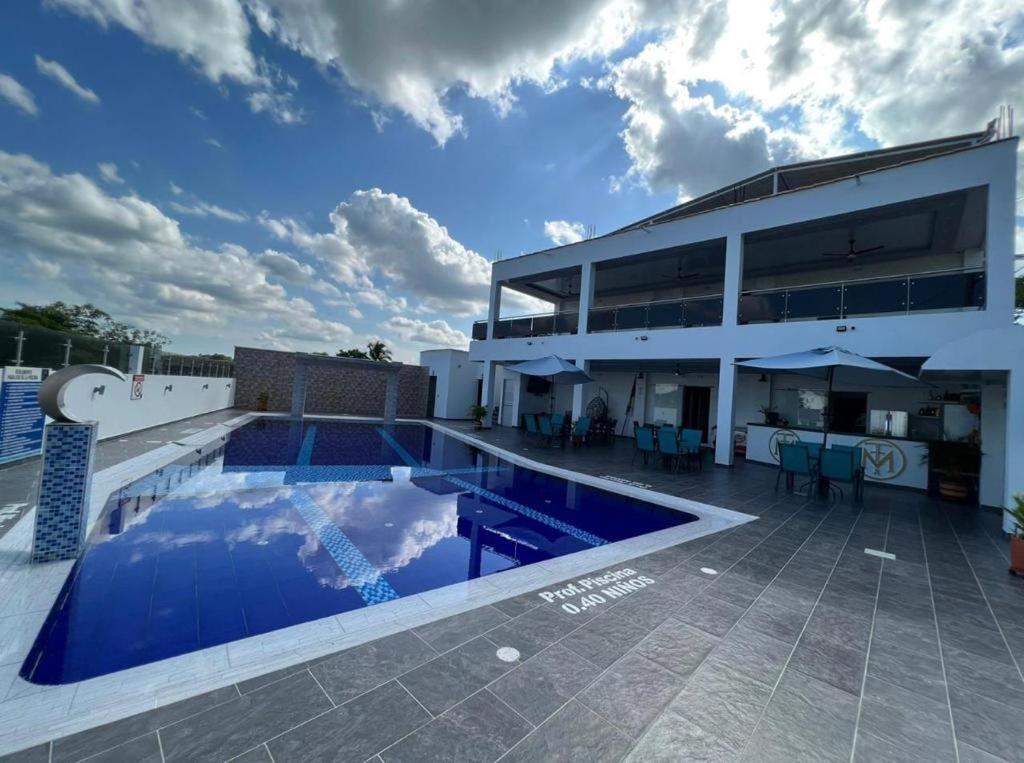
pixel 137 380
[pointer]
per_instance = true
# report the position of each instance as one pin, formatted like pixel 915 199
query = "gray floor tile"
pixel 774 620
pixel 907 720
pixel 631 693
pixel 710 614
pixel 604 639
pixel 531 632
pixel 837 664
pixel 38 754
pixel 545 682
pixel 574 733
pixel 650 609
pixel 448 633
pixel 912 670
pixel 907 633
pixel 518 605
pixel 144 749
pixel 971 754
pixel 447 680
pixel 871 749
pixel 675 738
pixel 980 675
pixel 244 687
pixel 256 755
pixel 480 728
pixel 840 625
pixel 753 654
pixel 735 589
pixel 676 646
pixel 723 702
pixel 806 720
pixel 96 740
pixel 357 670
pixel 990 726
pixel 968 637
pixel 353 731
pixel 235 726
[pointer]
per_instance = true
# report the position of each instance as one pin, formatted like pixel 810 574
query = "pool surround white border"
pixel 31 714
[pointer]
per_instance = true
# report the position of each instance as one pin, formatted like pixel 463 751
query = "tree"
pixel 355 352
pixel 379 351
pixel 375 350
pixel 87 320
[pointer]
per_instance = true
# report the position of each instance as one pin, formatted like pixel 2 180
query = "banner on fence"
pixel 21 419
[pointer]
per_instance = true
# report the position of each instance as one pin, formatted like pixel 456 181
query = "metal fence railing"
pixel 172 364
pixel 36 347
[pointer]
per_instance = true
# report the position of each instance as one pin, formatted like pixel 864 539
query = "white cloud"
pixel 563 232
pixel 59 74
pixel 214 142
pixel 286 268
pixel 202 208
pixel 432 333
pixel 108 171
pixel 12 91
pixel 176 189
pixel 816 72
pixel 125 254
pixel 197 112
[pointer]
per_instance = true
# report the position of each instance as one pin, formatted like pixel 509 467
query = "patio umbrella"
pixel 560 370
pixel 831 363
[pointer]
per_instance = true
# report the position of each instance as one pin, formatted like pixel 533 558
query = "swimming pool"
pixel 288 521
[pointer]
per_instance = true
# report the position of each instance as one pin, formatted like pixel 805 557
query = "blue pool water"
pixel 288 521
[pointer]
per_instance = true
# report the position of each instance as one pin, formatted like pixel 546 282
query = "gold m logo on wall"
pixel 883 459
pixel 779 438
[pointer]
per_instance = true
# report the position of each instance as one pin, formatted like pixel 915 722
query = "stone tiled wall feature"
pixel 61 515
pixel 345 389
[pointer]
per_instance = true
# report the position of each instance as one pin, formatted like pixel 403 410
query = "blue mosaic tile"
pixel 63 491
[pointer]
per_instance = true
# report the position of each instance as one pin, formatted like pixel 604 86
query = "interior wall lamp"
pixel 99 390
pixel 169 388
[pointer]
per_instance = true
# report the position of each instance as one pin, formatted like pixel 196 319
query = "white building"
pixel 659 311
pixel 454 383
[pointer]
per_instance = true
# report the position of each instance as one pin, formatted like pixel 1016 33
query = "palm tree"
pixel 377 350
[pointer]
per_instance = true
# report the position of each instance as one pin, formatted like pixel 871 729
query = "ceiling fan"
pixel 681 276
pixel 853 253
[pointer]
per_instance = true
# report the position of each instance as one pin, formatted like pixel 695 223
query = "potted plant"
pixel 771 415
pixel 263 401
pixel 478 412
pixel 1017 536
pixel 955 463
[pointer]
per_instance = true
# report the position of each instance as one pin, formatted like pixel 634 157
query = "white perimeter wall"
pixel 457 379
pixel 118 414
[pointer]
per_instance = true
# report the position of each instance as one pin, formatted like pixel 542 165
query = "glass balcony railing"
pixel 939 291
pixel 679 313
pixel 524 326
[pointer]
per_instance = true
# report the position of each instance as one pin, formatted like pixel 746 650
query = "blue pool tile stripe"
pixel 370 584
pixel 306 451
pixel 396 446
pixel 587 537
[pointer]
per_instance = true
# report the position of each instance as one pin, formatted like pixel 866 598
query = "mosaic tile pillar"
pixel 61 516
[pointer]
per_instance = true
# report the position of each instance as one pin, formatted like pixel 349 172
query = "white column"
pixel 579 396
pixel 993 444
pixel 733 279
pixel 487 395
pixel 494 308
pixel 587 280
pixel 1014 440
pixel 726 404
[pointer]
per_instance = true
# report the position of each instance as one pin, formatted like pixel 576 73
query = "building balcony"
pixel 676 313
pixel 938 291
pixel 525 326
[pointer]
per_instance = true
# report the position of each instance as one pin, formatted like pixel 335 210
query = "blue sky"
pixel 213 220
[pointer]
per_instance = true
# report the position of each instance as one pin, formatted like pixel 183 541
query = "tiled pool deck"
pixel 802 647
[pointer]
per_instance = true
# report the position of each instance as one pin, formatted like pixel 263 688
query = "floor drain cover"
pixel 708 571
pixel 508 654
pixel 879 554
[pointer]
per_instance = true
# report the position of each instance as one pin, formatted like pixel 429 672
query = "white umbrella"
pixel 829 363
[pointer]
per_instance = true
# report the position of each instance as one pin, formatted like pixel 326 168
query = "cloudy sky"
pixel 313 174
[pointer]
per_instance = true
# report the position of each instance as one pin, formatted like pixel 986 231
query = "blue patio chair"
pixel 531 423
pixel 836 465
pixel 580 429
pixel 858 468
pixel 558 424
pixel 795 460
pixel 643 439
pixel 689 445
pixel 668 445
pixel 546 430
